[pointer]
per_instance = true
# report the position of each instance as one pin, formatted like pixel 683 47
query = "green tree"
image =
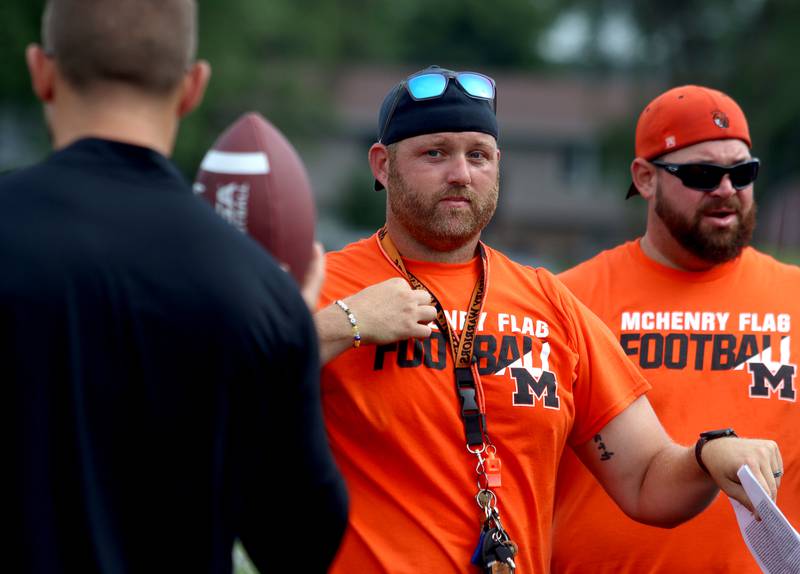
pixel 282 57
pixel 743 48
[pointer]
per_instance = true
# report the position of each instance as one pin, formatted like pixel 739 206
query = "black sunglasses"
pixel 708 176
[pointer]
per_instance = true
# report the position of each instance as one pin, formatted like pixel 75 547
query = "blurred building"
pixel 777 229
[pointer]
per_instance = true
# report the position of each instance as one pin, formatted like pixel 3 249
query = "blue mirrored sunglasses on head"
pixel 427 85
pixel 432 83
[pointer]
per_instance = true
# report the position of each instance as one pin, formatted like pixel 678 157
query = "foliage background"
pixel 266 55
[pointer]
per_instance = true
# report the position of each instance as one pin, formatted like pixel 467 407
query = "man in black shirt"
pixel 160 370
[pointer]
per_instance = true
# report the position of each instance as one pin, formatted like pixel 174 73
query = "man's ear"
pixel 41 68
pixel 193 87
pixel 645 177
pixel 379 162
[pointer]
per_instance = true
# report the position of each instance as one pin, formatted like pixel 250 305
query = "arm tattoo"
pixel 605 454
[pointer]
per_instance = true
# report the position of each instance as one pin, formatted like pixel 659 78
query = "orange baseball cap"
pixel 684 116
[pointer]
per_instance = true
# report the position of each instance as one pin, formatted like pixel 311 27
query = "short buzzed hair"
pixel 147 44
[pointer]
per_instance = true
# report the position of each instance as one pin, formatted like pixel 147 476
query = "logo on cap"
pixel 720 119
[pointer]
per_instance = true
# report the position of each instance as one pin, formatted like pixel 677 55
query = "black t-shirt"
pixel 159 375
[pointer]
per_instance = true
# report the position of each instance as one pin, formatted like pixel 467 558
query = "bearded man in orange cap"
pixel 713 324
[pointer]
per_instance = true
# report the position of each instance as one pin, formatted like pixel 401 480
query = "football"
pixel 255 179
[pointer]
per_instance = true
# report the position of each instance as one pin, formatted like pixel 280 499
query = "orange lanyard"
pixel 468 382
pixel 493 538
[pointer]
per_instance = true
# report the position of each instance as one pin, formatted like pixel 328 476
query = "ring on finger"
pixel 777 473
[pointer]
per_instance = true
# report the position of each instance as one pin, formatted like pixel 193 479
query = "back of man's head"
pixel 146 44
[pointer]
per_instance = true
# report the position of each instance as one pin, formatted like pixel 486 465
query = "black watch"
pixel 704 438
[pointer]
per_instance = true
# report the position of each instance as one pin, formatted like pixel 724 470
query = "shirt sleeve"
pixel 291 480
pixel 605 380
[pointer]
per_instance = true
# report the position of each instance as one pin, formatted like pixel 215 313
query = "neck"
pixel 114 115
pixel 668 252
pixel 413 249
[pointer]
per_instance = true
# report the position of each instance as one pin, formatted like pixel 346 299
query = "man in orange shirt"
pixel 446 358
pixel 712 324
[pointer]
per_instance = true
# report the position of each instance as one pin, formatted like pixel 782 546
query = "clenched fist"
pixel 386 312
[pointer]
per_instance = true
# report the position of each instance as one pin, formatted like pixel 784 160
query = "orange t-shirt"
pixel 719 348
pixel 552 374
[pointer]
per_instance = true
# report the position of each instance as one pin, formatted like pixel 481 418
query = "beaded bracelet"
pixel 352 318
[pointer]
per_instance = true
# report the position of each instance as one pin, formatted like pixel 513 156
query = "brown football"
pixel 255 179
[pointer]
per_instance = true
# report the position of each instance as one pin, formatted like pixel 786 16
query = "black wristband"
pixel 704 438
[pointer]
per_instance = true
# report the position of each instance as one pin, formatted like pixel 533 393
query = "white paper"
pixel 773 542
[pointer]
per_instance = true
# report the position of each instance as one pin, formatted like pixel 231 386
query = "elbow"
pixel 666 523
pixel 665 520
pixel 664 516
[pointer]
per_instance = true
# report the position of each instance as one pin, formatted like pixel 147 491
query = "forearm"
pixel 652 479
pixel 334 332
pixel 655 481
pixel 673 489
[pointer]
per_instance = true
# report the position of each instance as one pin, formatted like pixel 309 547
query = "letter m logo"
pixel 766 382
pixel 529 388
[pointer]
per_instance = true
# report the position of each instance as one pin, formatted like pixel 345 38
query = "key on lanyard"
pixel 497 553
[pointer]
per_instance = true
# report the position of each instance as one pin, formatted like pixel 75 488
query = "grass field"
pixel 241 562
